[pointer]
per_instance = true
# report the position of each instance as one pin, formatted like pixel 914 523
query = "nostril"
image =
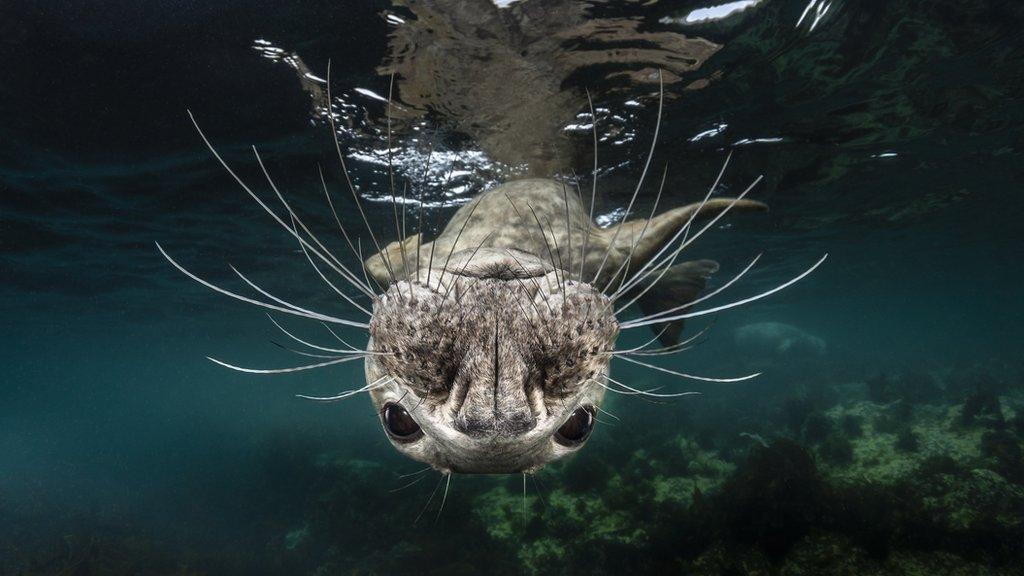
pixel 472 425
pixel 510 425
pixel 520 423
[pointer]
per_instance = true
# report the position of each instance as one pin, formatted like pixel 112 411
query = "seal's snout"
pixel 477 426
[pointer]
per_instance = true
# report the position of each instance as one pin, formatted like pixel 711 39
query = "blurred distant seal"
pixel 763 339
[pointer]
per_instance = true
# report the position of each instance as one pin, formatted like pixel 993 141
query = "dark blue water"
pixel 889 137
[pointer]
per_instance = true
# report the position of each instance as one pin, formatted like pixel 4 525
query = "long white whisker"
pixel 256 287
pixel 690 376
pixel 634 324
pixel 444 497
pixel 429 500
pixel 607 413
pixel 253 195
pixel 637 279
pixel 649 393
pixel 593 188
pixel 643 232
pixel 324 254
pixel 348 179
pixel 348 240
pixel 311 315
pixel 681 231
pixel 456 242
pixel 328 282
pixel 379 383
pixel 394 197
pixel 670 260
pixel 640 183
pixel 707 296
pixel 639 350
pixel 339 338
pixel 302 353
pixel 314 346
pixel 284 370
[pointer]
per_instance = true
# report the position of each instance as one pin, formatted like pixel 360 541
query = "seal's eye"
pixel 577 428
pixel 399 424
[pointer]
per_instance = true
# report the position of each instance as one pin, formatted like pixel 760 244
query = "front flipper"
pixel 399 257
pixel 681 283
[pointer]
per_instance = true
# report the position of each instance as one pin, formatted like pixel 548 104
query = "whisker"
pixel 379 383
pixel 554 240
pixel 326 255
pixel 643 232
pixel 301 353
pixel 534 280
pixel 257 288
pixel 456 242
pixel 394 200
pixel 464 266
pixel 593 189
pixel 630 391
pixel 444 498
pixel 544 235
pixel 655 265
pixel 568 229
pixel 416 473
pixel 537 484
pixel 607 413
pixel 690 376
pixel 416 481
pixel 429 500
pixel 311 315
pixel 645 322
pixel 684 231
pixel 328 282
pixel 440 211
pixel 284 370
pixel 640 183
pixel 338 338
pixel 674 348
pixel 642 346
pixel 357 254
pixel 707 296
pixel 524 498
pixel 348 179
pixel 533 237
pixel 423 185
pixel 259 200
pixel 314 346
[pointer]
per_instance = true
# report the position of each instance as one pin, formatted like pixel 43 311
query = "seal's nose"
pixel 476 425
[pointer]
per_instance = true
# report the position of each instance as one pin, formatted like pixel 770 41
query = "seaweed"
pixel 837 449
pixel 816 427
pixel 982 408
pixel 907 440
pixel 852 425
pixel 1003 449
pixel 773 499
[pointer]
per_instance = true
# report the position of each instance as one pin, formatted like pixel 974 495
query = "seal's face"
pixel 493 371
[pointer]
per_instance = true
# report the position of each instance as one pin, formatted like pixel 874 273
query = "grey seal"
pixel 490 346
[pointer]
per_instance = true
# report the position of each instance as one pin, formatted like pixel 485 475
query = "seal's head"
pixel 490 369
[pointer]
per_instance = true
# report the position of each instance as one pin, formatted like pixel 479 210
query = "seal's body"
pixel 490 344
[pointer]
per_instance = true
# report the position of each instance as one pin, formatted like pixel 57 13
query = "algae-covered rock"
pixel 773 498
pixel 979 500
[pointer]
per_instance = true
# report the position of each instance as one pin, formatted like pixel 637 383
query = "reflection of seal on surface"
pixel 777 339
